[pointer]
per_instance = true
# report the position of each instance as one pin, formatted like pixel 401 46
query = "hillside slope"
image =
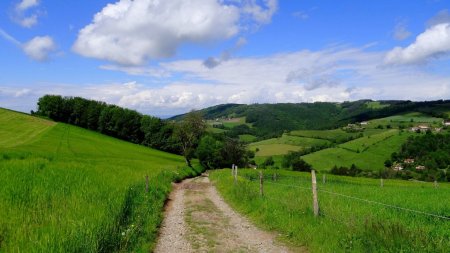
pixel 270 120
pixel 67 189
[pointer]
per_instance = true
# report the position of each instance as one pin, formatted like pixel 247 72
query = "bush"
pixel 299 164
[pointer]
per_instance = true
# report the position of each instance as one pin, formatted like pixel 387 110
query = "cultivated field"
pixel 356 214
pixel 66 189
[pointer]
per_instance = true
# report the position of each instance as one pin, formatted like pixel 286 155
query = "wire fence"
pixel 372 202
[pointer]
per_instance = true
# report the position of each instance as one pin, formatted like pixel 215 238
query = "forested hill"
pixel 273 119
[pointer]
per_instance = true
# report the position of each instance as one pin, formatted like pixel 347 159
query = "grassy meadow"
pixel 66 189
pixel 334 135
pixel 368 153
pixel 284 144
pixel 346 224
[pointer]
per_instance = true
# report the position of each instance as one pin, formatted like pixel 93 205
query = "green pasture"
pixel 67 189
pixel 406 120
pixel 368 153
pixel 247 138
pixel 282 145
pixel 356 214
pixel 335 135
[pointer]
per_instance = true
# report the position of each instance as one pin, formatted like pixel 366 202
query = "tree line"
pixel 187 137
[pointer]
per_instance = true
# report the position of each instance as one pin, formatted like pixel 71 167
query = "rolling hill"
pixel 271 120
pixel 67 189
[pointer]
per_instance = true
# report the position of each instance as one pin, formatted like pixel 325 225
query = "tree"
pixel 298 164
pixel 234 152
pixel 188 132
pixel 208 152
pixel 268 162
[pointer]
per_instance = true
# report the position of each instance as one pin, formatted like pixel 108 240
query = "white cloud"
pixel 401 31
pixel 261 13
pixel 39 48
pixel 333 74
pixel 21 15
pixel 26 4
pixel 435 41
pixel 132 32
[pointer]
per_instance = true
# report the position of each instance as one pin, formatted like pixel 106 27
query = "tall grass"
pixel 345 224
pixel 66 189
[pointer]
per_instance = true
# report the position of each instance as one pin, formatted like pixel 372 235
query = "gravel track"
pixel 197 219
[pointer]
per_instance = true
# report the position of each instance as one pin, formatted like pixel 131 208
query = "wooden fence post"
pixel 381 182
pixel 232 170
pixel 435 184
pixel 146 183
pixel 324 178
pixel 235 173
pixel 261 182
pixel 314 191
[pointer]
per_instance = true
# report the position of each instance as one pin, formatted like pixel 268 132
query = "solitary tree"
pixel 188 133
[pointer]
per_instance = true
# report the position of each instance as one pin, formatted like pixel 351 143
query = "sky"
pixel 166 57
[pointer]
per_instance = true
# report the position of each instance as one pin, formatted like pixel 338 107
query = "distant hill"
pixel 273 119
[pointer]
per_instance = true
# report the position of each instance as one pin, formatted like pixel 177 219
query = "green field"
pixel 373 151
pixel 356 214
pixel 335 135
pixel 406 120
pixel 66 189
pixel 284 144
pixel 247 138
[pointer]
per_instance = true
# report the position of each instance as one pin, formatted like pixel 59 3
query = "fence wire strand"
pixel 355 198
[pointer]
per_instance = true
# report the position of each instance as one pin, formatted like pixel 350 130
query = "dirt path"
pixel 198 220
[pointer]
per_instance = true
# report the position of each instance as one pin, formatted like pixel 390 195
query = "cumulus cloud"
pixel 435 41
pixel 401 31
pixel 22 15
pixel 39 48
pixel 132 32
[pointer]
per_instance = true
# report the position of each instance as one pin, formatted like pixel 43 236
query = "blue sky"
pixel 168 57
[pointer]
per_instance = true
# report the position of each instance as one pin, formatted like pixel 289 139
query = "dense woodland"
pixel 111 120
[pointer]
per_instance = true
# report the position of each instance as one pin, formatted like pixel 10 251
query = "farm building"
pixel 409 161
pixel 397 167
pixel 420 167
pixel 446 122
pixel 364 123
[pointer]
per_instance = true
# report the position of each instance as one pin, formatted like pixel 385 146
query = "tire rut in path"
pixel 198 220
